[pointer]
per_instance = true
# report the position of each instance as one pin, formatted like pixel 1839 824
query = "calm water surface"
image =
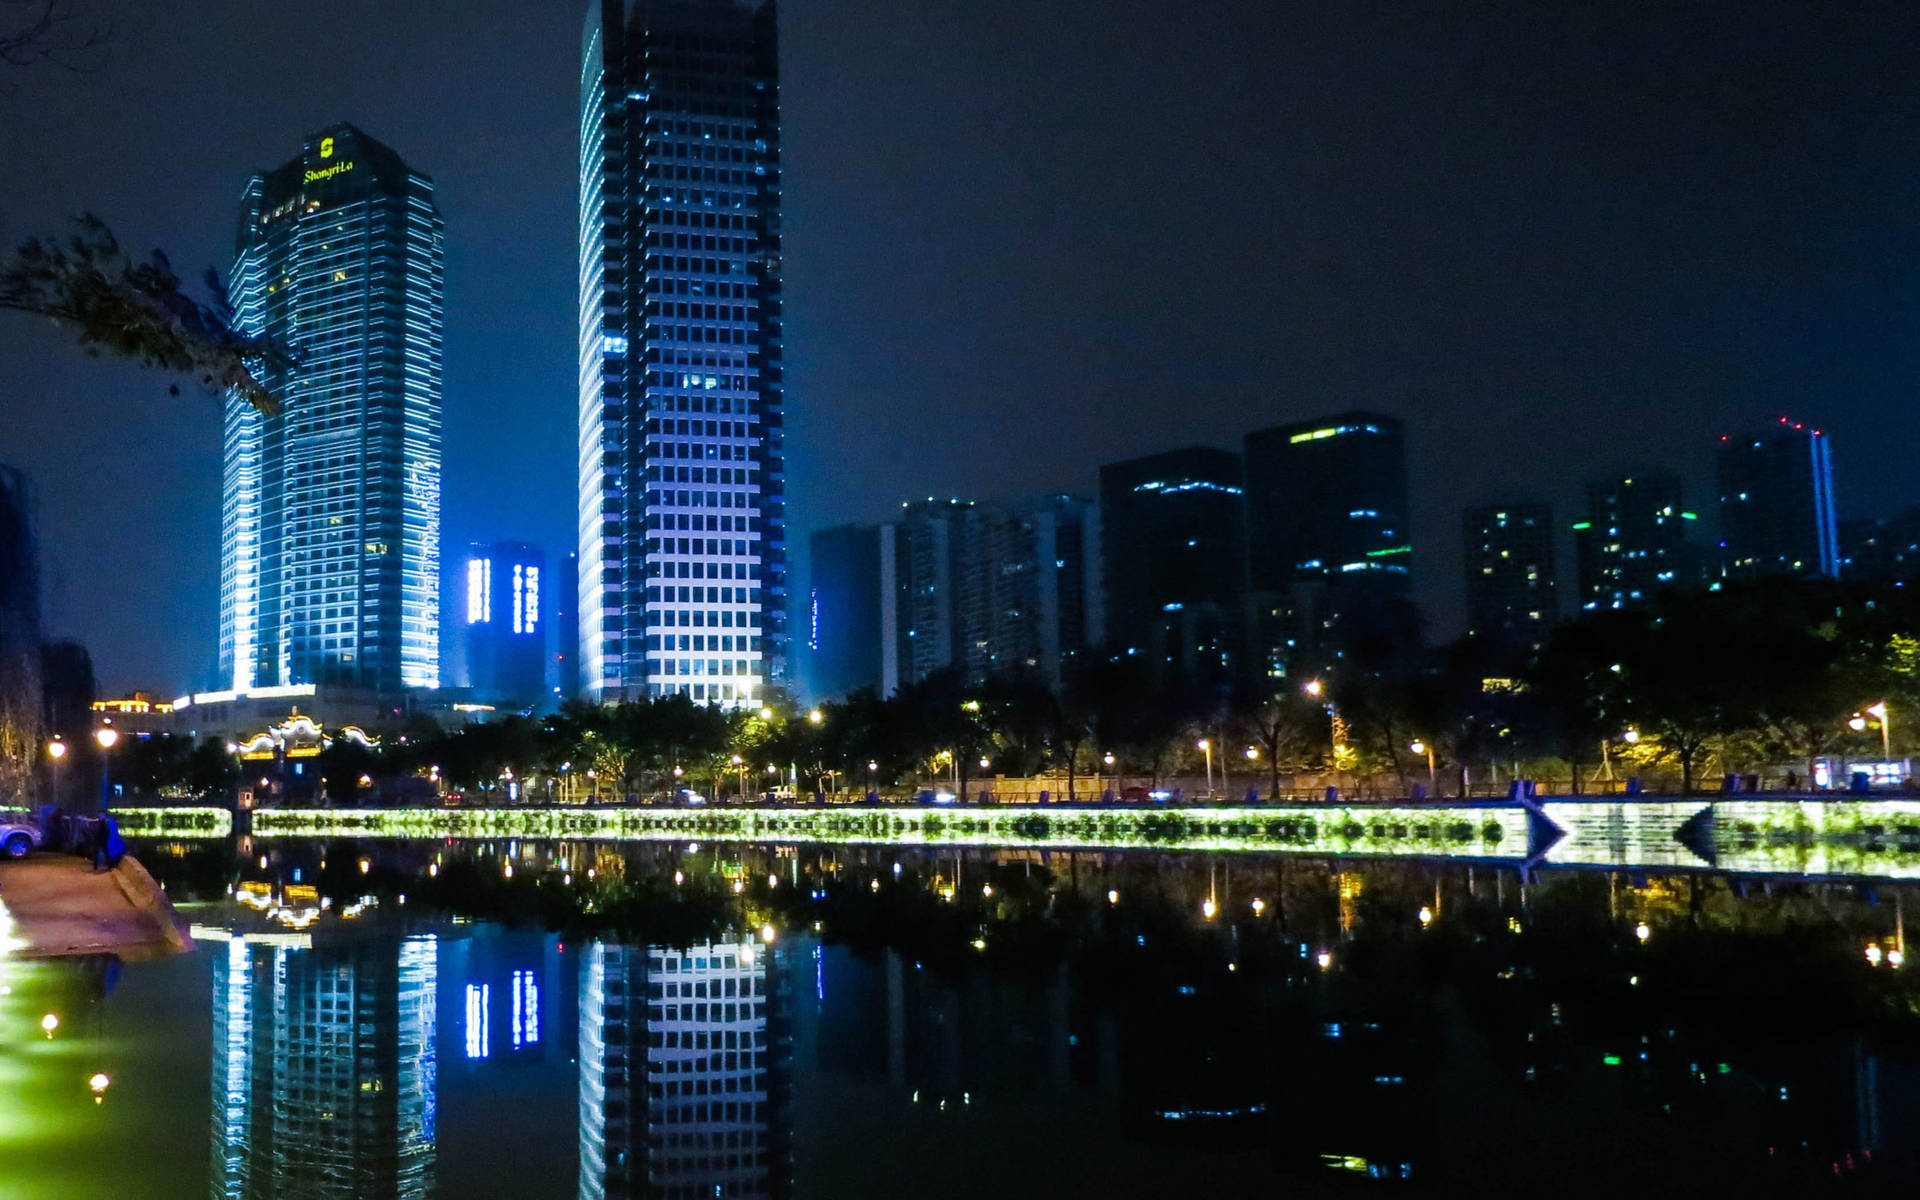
pixel 583 1021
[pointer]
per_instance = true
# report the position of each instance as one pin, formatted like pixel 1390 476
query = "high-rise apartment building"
pixel 1512 594
pixel 500 607
pixel 1174 556
pixel 330 509
pixel 1632 545
pixel 682 477
pixel 1776 504
pixel 985 590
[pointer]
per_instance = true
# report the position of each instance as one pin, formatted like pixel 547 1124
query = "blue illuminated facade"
pixel 501 610
pixel 1777 515
pixel 683 585
pixel 330 510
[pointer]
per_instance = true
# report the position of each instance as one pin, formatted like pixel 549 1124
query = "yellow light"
pixel 1324 958
pixel 739 885
pixel 979 943
pixel 766 714
pixel 106 737
pixel 99 1082
pixel 365 866
pixel 1207 909
pixel 433 869
pixel 56 750
pixel 49 1023
pixel 1313 687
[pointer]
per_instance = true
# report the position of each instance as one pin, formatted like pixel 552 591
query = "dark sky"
pixel 1027 236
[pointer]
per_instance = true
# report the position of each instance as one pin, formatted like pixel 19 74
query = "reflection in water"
pixel 324 1067
pixel 684 1072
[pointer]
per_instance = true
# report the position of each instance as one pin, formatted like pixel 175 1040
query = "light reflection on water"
pixel 966 1025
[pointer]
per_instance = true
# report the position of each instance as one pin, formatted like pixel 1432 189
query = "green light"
pixel 1314 435
pixel 1612 1060
pixel 1726 1068
pixel 1389 550
pixel 1583 524
pixel 1691 516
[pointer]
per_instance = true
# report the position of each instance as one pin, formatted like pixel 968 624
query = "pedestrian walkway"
pixel 58 905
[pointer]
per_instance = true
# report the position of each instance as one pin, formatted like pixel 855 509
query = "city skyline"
pixel 1530 384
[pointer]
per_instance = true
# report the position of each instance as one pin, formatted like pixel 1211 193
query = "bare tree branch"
pixel 44 31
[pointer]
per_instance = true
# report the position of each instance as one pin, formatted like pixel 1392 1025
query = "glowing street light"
pixel 49 1023
pixel 98 1083
pixel 766 714
pixel 1208 908
pixel 1642 931
pixel 1879 712
pixel 1206 747
pixel 816 717
pixel 56 749
pixel 1259 906
pixel 1426 915
pixel 1874 955
pixel 1314 688
pixel 1433 767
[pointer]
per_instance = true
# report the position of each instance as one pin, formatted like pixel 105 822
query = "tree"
pixel 33 32
pixel 138 311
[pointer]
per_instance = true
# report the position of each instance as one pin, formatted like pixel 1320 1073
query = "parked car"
pixel 19 834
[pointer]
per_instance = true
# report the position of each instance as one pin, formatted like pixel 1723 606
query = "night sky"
pixel 1028 236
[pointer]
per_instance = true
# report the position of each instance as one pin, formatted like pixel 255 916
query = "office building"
pixel 1512 597
pixel 1776 504
pixel 1329 554
pixel 843 610
pixel 1633 544
pixel 563 630
pixel 500 605
pixel 1173 551
pixel 685 1061
pixel 330 508
pixel 1874 550
pixel 682 476
pixel 324 1065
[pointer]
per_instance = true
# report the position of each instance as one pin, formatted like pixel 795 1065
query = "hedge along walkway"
pixel 59 905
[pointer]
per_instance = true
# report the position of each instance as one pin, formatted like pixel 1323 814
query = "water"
pixel 567 1019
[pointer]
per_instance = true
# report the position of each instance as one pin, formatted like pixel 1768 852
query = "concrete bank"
pixel 59 906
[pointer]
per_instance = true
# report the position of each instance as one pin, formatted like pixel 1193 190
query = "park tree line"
pixel 1757 678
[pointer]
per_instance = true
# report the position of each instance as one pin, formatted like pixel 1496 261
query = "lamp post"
pixel 1433 767
pixel 740 765
pixel 1205 746
pixel 106 735
pixel 56 750
pixel 1886 740
pixel 1108 759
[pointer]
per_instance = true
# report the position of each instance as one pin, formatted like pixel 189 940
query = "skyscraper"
pixel 683 582
pixel 330 510
pixel 1633 544
pixel 1174 555
pixel 1512 598
pixel 501 610
pixel 1329 554
pixel 843 610
pixel 1776 504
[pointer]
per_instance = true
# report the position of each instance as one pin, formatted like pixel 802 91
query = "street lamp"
pixel 816 717
pixel 56 750
pixel 1886 741
pixel 1433 768
pixel 766 714
pixel 106 735
pixel 1206 747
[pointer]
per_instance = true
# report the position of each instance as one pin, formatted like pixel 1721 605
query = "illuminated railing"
pixel 1811 838
pixel 174 822
pixel 1425 832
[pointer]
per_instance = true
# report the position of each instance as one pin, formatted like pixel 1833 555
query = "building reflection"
pixel 324 1068
pixel 685 1071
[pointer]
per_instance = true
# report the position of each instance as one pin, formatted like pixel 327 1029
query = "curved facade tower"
pixel 330 510
pixel 682 518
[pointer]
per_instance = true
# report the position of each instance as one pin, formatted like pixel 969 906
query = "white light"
pixel 1324 958
pixel 1874 955
pixel 1259 906
pixel 1642 931
pixel 767 934
pixel 1207 909
pixel 1113 897
pixel 1426 915
pixel 476 590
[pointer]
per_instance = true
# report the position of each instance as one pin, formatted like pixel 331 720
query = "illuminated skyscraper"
pixel 683 584
pixel 1172 531
pixel 330 510
pixel 1633 543
pixel 502 606
pixel 1776 504
pixel 685 1072
pixel 324 1067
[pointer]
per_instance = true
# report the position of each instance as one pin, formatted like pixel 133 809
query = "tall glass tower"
pixel 330 511
pixel 683 583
